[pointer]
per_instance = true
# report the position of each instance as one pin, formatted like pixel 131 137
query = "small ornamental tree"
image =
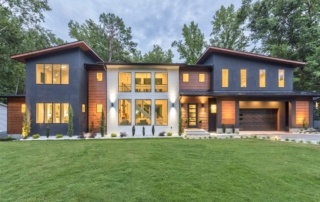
pixel 70 121
pixel 133 130
pixel 180 122
pixel 102 124
pixel 143 131
pixel 26 124
pixel 152 130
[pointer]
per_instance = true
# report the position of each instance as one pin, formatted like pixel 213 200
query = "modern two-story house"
pixel 224 89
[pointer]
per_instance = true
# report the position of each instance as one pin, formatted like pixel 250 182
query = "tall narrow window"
pixel 185 77
pixel 83 108
pixel 124 82
pixel 161 82
pixel 99 76
pixel 64 112
pixel 262 78
pixel 40 74
pixel 124 113
pixel 64 74
pixel 225 78
pixel 161 112
pixel 143 82
pixel 48 73
pixel 56 74
pixel 202 78
pixel 281 78
pixel 39 113
pixel 48 114
pixel 56 113
pixel 243 79
pixel 143 112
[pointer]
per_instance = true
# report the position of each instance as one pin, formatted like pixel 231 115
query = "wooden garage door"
pixel 258 119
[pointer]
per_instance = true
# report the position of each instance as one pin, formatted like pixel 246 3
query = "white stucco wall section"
pixel 113 96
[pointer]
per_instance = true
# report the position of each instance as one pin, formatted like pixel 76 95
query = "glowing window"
pixel 161 112
pixel 52 112
pixel 225 78
pixel 243 79
pixel 143 82
pixel 23 108
pixel 161 82
pixel 202 78
pixel 262 78
pixel 185 77
pixel 52 74
pixel 99 108
pixel 124 82
pixel 124 112
pixel 83 108
pixel 99 76
pixel 143 112
pixel 281 78
pixel 213 108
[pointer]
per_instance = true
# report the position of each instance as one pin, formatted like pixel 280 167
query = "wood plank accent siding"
pixel 228 112
pixel 202 111
pixel 194 83
pixel 14 115
pixel 97 92
pixel 302 112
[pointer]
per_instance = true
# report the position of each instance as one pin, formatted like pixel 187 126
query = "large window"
pixel 143 112
pixel 262 78
pixel 124 117
pixel 143 82
pixel 161 112
pixel 202 77
pixel 281 78
pixel 225 78
pixel 161 82
pixel 185 77
pixel 243 78
pixel 124 82
pixel 52 74
pixel 52 113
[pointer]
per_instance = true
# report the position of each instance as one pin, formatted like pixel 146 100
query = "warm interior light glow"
pixel 99 76
pixel 185 77
pixel 225 78
pixel 228 112
pixel 281 78
pixel 99 108
pixel 213 108
pixel 262 78
pixel 243 79
pixel 302 112
pixel 23 108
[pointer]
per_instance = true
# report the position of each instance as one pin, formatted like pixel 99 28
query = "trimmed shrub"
pixel 47 131
pixel 162 133
pixel 35 136
pixel 143 131
pixel 123 134
pixel 133 130
pixel 169 133
pixel 102 124
pixel 59 135
pixel 152 130
pixel 113 134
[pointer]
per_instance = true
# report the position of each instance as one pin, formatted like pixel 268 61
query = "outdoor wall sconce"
pixel 172 105
pixel 111 104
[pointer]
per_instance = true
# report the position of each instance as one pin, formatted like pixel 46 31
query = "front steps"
pixel 196 132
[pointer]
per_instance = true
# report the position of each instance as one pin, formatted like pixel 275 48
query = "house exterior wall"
pixel 194 83
pixel 113 96
pixel 234 64
pixel 74 93
pixel 14 115
pixel 97 92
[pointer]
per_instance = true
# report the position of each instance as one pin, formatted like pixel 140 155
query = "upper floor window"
pixel 281 78
pixel 243 78
pixel 225 77
pixel 185 77
pixel 52 113
pixel 161 82
pixel 202 77
pixel 262 78
pixel 143 82
pixel 99 76
pixel 52 74
pixel 124 82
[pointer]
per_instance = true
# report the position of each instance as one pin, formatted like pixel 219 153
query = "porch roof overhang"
pixel 250 93
pixel 12 96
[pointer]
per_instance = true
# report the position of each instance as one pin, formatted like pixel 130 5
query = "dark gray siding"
pixel 234 64
pixel 75 93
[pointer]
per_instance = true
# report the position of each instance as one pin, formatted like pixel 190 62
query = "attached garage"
pixel 258 119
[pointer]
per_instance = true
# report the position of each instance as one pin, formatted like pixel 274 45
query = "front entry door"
pixel 212 114
pixel 192 116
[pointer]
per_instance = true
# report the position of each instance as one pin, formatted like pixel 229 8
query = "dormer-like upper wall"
pixel 241 71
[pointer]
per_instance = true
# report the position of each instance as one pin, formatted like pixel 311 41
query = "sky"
pixel 152 22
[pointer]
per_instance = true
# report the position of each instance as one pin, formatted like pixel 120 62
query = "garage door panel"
pixel 258 119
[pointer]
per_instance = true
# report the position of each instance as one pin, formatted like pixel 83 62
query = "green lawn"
pixel 159 170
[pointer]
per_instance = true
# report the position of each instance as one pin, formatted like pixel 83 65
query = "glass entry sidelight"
pixel 192 116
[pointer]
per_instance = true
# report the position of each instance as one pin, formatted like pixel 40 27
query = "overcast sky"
pixel 152 21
